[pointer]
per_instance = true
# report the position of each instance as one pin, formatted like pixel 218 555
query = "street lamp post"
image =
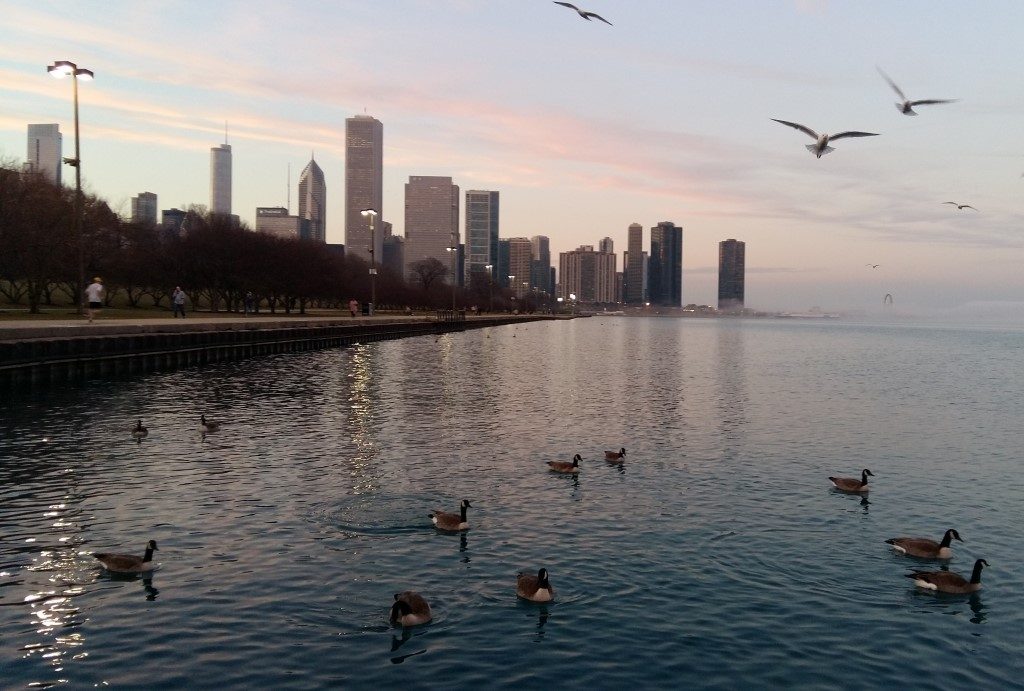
pixel 490 286
pixel 372 215
pixel 58 70
pixel 453 249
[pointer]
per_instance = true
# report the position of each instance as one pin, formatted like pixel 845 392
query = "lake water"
pixel 717 556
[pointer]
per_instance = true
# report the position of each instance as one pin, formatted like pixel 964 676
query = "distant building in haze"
pixel 502 271
pixel 393 256
pixel 313 200
pixel 364 185
pixel 220 179
pixel 431 221
pixel 606 245
pixel 172 222
pixel 276 221
pixel 587 274
pixel 481 234
pixel 144 208
pixel 665 269
pixel 44 151
pixel 731 269
pixel 634 265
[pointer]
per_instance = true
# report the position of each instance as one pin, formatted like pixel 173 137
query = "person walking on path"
pixel 250 302
pixel 353 307
pixel 94 296
pixel 178 301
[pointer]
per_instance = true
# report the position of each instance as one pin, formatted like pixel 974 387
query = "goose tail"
pixel 891 541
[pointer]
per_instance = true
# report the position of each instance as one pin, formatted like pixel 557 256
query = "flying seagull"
pixel 907 106
pixel 821 147
pixel 960 207
pixel 583 13
pixel 873 266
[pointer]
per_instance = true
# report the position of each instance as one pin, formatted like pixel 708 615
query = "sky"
pixel 584 128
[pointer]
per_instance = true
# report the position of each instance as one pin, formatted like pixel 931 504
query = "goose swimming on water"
pixel 535 588
pixel 410 609
pixel 128 563
pixel 452 521
pixel 615 455
pixel 949 582
pixel 924 548
pixel 852 484
pixel 138 431
pixel 565 466
pixel 206 426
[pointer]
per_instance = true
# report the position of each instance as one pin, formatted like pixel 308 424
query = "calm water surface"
pixel 717 556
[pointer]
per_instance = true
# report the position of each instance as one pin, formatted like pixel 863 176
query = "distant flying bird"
pixel 821 147
pixel 583 13
pixel 873 266
pixel 906 107
pixel 960 207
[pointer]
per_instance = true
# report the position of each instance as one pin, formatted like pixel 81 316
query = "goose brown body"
pixel 452 521
pixel 614 455
pixel 206 426
pixel 410 609
pixel 535 588
pixel 924 548
pixel 138 431
pixel 852 484
pixel 128 563
pixel 949 582
pixel 565 466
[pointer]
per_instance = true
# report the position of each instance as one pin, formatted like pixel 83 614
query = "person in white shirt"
pixel 94 294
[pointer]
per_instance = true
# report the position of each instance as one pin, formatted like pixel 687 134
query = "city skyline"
pixel 564 135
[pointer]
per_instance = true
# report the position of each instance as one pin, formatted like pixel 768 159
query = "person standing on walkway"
pixel 178 301
pixel 94 296
pixel 353 307
pixel 250 302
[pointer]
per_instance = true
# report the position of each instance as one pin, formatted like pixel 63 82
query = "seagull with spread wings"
pixel 960 207
pixel 907 106
pixel 821 147
pixel 583 13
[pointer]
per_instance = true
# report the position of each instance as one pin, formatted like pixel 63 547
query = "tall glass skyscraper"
pixel 44 151
pixel 481 235
pixel 220 179
pixel 665 270
pixel 634 268
pixel 364 185
pixel 313 200
pixel 731 268
pixel 431 221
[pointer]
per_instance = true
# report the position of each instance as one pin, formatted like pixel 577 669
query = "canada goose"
pixel 452 521
pixel 852 484
pixel 614 455
pixel 947 581
pixel 924 548
pixel 138 431
pixel 410 609
pixel 565 466
pixel 127 563
pixel 535 588
pixel 207 426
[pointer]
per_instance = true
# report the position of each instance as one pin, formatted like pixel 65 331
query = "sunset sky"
pixel 584 128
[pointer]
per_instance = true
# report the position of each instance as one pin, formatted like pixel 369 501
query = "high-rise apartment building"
pixel 44 151
pixel 313 200
pixel 635 270
pixel 588 275
pixel 364 185
pixel 276 221
pixel 665 269
pixel 731 269
pixel 520 259
pixel 501 274
pixel 481 235
pixel 606 245
pixel 144 208
pixel 540 271
pixel 431 221
pixel 220 179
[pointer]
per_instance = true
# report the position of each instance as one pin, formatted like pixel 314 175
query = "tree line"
pixel 213 259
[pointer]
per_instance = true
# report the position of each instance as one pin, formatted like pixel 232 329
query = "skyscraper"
pixel 520 258
pixel 313 200
pixel 540 272
pixel 431 221
pixel 276 221
pixel 634 279
pixel 731 269
pixel 606 245
pixel 364 185
pixel 481 234
pixel 665 272
pixel 44 151
pixel 144 208
pixel 220 179
pixel 588 275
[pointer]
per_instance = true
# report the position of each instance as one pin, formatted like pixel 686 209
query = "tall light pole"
pixel 58 70
pixel 490 286
pixel 372 215
pixel 454 250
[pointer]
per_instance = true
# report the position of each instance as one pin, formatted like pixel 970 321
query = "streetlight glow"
pixel 372 215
